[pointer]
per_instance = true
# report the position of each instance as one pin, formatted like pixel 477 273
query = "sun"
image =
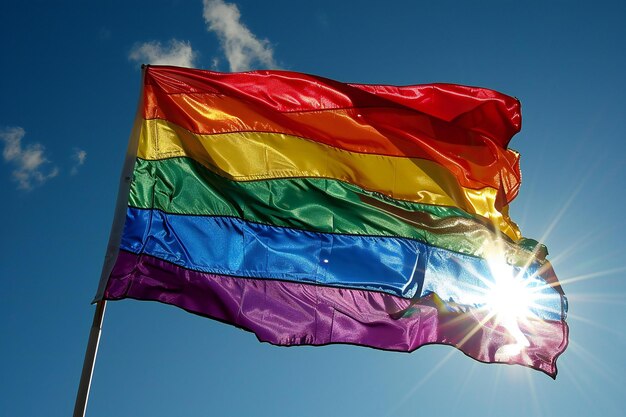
pixel 511 296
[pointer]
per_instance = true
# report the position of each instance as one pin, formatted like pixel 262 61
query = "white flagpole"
pixel 80 407
pixel 109 260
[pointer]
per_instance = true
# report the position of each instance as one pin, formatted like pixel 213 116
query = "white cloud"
pixel 178 53
pixel 240 46
pixel 29 161
pixel 215 64
pixel 79 156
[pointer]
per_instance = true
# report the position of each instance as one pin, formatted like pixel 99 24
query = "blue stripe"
pixel 403 267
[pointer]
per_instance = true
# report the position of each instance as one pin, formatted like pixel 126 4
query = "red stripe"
pixel 478 109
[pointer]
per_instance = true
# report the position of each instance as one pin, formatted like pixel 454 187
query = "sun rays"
pixel 513 295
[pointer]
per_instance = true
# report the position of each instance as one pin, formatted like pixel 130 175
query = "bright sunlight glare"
pixel 509 299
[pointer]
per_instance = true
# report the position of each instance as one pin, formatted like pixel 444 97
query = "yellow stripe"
pixel 247 156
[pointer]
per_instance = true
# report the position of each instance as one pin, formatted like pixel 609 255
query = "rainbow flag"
pixel 310 211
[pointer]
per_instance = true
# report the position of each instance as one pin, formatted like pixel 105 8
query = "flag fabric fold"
pixel 310 211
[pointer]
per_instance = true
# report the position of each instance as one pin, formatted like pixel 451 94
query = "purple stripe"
pixel 287 313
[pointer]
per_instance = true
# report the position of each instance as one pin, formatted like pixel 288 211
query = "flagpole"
pixel 90 360
pixel 113 247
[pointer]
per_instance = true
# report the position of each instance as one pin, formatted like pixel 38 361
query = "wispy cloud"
pixel 29 161
pixel 178 53
pixel 241 47
pixel 79 156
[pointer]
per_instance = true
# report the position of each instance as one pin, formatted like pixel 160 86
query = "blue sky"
pixel 69 85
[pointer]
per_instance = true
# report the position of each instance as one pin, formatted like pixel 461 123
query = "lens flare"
pixel 510 297
pixel 509 300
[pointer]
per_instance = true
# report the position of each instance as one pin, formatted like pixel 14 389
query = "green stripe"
pixel 183 186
